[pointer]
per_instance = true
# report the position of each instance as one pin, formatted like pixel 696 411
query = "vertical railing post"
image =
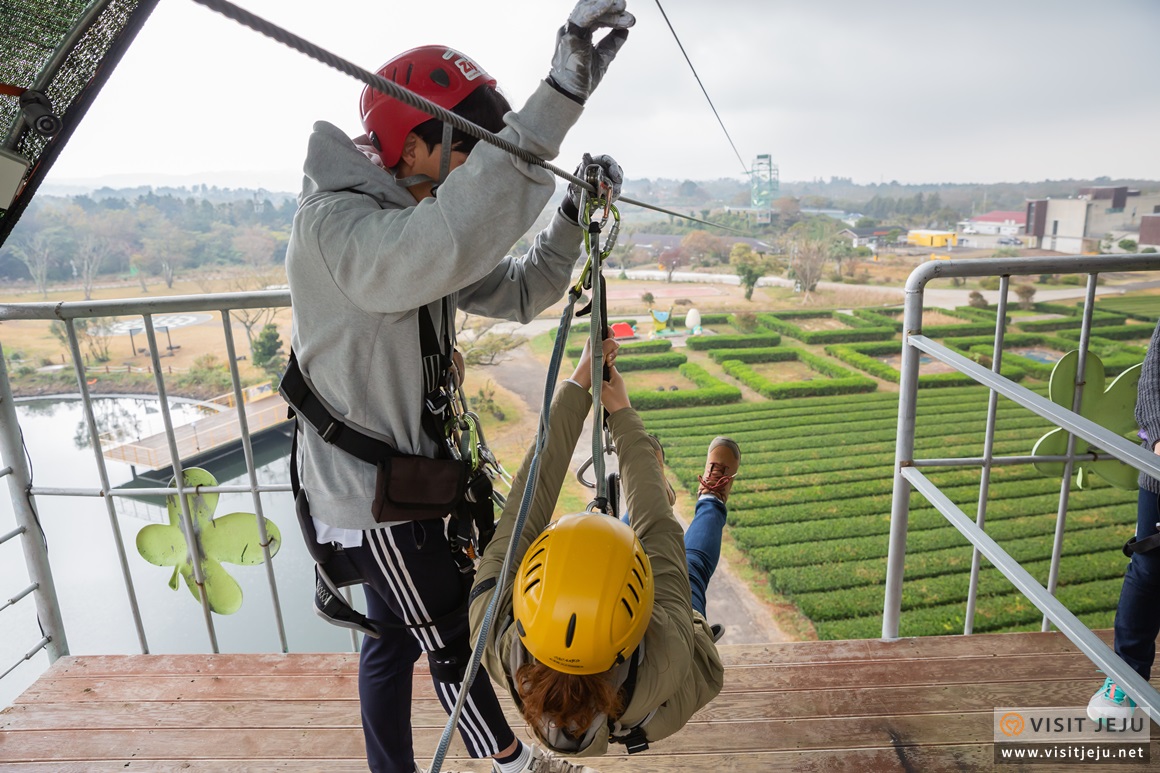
pixel 904 456
pixel 248 450
pixel 1069 466
pixel 988 450
pixel 103 473
pixel 33 540
pixel 188 526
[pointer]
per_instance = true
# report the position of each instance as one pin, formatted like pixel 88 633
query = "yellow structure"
pixel 932 238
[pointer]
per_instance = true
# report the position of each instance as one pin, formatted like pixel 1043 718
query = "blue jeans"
pixel 702 546
pixel 1138 613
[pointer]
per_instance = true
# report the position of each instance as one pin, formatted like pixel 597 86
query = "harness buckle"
pixel 331 431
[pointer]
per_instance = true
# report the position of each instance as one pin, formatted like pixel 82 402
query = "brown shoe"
pixel 659 450
pixel 721 465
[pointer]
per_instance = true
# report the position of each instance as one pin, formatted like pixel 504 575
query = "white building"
pixel 1076 225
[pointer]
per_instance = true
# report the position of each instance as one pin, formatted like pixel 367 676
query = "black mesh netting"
pixel 65 49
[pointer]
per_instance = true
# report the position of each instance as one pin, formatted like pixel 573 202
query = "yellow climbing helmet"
pixel 583 595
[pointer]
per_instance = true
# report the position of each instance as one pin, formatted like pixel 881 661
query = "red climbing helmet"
pixel 440 74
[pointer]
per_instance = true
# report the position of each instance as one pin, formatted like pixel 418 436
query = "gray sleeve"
pixel 392 260
pixel 520 288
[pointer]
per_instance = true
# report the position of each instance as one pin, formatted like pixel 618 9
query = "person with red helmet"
pixel 395 231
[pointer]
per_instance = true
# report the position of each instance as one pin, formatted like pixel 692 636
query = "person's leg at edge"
pixel 415 579
pixel 1138 614
pixel 703 546
pixel 384 686
pixel 703 537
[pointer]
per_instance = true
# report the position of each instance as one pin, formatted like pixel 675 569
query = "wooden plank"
pixel 950 758
pixel 324 743
pixel 226 664
pixel 979 645
pixel 748 706
pixel 785 653
pixel 841 676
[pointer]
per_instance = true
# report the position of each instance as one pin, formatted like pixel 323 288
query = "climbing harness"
pixel 319 54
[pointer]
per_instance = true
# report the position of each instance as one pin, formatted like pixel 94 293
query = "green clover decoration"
pixel 232 538
pixel 1113 407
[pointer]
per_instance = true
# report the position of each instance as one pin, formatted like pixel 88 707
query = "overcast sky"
pixel 908 90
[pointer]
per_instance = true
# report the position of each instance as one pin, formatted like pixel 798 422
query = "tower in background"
pixel 764 186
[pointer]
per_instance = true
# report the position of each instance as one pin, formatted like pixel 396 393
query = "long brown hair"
pixel 570 701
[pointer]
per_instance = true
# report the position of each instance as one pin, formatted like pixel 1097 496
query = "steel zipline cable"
pixel 702 85
pixel 319 54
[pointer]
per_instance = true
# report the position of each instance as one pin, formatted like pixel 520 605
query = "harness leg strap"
pixel 1146 545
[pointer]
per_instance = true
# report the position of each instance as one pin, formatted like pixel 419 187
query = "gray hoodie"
pixel 364 256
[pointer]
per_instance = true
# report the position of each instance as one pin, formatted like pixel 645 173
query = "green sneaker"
pixel 1110 702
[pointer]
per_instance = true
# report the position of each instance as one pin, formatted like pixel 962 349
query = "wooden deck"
pixel 206 435
pixel 913 705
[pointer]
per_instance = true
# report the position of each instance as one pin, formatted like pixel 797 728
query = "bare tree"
pixel 37 252
pixel 165 247
pixel 91 254
pixel 807 260
pixel 478 344
pixel 671 259
pixel 253 320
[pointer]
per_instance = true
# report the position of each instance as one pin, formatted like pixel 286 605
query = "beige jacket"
pixel 681 670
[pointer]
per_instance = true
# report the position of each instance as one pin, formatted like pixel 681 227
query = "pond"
pixel 82 553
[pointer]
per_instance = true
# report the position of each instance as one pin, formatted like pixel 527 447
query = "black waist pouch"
pixel 416 488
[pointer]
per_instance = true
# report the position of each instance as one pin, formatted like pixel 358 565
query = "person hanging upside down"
pixel 603 635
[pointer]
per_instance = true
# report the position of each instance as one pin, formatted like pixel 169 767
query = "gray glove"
pixel 604 172
pixel 578 65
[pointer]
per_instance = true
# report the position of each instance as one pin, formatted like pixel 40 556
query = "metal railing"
pixel 908 475
pixel 23 494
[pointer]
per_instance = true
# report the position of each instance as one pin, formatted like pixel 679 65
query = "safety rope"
pixel 319 54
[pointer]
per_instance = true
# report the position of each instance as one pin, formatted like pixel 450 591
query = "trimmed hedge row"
pixel 980 315
pixel 584 327
pixel 710 391
pixel 934 563
pixel 702 343
pixel 841 381
pixel 782 324
pixel 762 354
pixel 1115 333
pixel 1072 315
pixel 893 318
pixel 663 361
pixel 630 347
pixel 861 356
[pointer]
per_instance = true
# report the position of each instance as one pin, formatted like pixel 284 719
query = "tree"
pixel 1026 293
pixel 865 222
pixel 648 299
pixel 38 252
pixel 479 345
pixel 164 246
pixel 976 300
pixel 94 336
pixel 807 261
pixel 749 266
pixel 252 319
pixel 1127 245
pixel 704 248
pixel 671 259
pixel 267 350
pixel 839 249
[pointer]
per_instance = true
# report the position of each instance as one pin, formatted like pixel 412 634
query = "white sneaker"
pixel 544 761
pixel 1110 702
